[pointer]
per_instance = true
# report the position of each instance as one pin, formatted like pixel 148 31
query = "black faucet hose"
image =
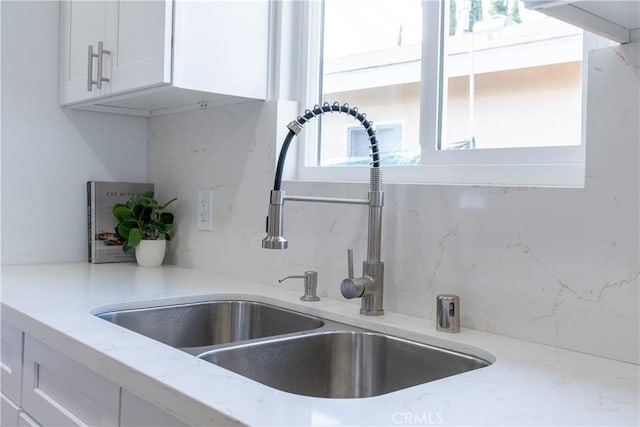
pixel 283 154
pixel 328 108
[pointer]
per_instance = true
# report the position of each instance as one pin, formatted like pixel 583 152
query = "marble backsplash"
pixel 556 266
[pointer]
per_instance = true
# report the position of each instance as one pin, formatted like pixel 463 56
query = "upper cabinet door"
pixel 136 41
pixel 82 25
pixel 139 35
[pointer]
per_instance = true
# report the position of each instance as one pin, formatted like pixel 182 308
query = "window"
pixel 487 92
pixel 357 147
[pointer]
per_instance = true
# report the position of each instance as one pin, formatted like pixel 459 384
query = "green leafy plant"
pixel 142 218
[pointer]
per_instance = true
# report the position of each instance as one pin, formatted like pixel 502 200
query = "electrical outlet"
pixel 204 210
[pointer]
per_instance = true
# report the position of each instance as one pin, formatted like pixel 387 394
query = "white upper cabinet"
pixel 136 47
pixel 162 56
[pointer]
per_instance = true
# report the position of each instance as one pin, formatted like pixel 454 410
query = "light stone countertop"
pixel 529 384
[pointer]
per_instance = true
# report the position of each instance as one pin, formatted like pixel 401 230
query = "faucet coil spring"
pixel 295 127
pixel 345 108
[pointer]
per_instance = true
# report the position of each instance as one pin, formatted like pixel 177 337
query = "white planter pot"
pixel 150 253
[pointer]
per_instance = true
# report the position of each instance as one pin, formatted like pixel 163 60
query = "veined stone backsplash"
pixel 552 265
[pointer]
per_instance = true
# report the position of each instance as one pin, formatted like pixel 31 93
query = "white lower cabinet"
pixel 59 391
pixel 43 387
pixel 11 361
pixel 11 415
pixel 10 373
pixel 135 412
pixel 25 420
pixel 9 412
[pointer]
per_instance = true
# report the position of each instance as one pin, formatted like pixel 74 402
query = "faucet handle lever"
pixel 350 263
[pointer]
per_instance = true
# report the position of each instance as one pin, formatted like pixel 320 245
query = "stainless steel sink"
pixel 294 352
pixel 342 364
pixel 193 327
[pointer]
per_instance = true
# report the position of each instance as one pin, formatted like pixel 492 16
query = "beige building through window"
pixel 505 84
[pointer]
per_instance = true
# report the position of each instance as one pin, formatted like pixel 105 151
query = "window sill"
pixel 528 175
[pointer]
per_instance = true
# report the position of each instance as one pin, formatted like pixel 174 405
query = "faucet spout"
pixel 275 222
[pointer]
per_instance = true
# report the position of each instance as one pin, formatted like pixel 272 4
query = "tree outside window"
pixel 475 13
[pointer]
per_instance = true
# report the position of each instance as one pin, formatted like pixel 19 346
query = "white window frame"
pixel 561 166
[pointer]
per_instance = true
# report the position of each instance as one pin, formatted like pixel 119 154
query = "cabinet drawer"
pixel 25 420
pixel 9 412
pixel 59 391
pixel 136 412
pixel 11 361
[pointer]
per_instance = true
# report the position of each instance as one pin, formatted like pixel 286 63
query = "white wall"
pixel 551 265
pixel 48 153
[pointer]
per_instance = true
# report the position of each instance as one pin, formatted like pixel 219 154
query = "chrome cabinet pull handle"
pixel 101 52
pixel 90 81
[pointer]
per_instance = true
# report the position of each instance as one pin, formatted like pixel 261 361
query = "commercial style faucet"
pixel 370 286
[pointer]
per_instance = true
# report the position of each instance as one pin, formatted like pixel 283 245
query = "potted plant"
pixel 144 225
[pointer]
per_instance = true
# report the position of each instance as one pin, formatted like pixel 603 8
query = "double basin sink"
pixel 295 352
